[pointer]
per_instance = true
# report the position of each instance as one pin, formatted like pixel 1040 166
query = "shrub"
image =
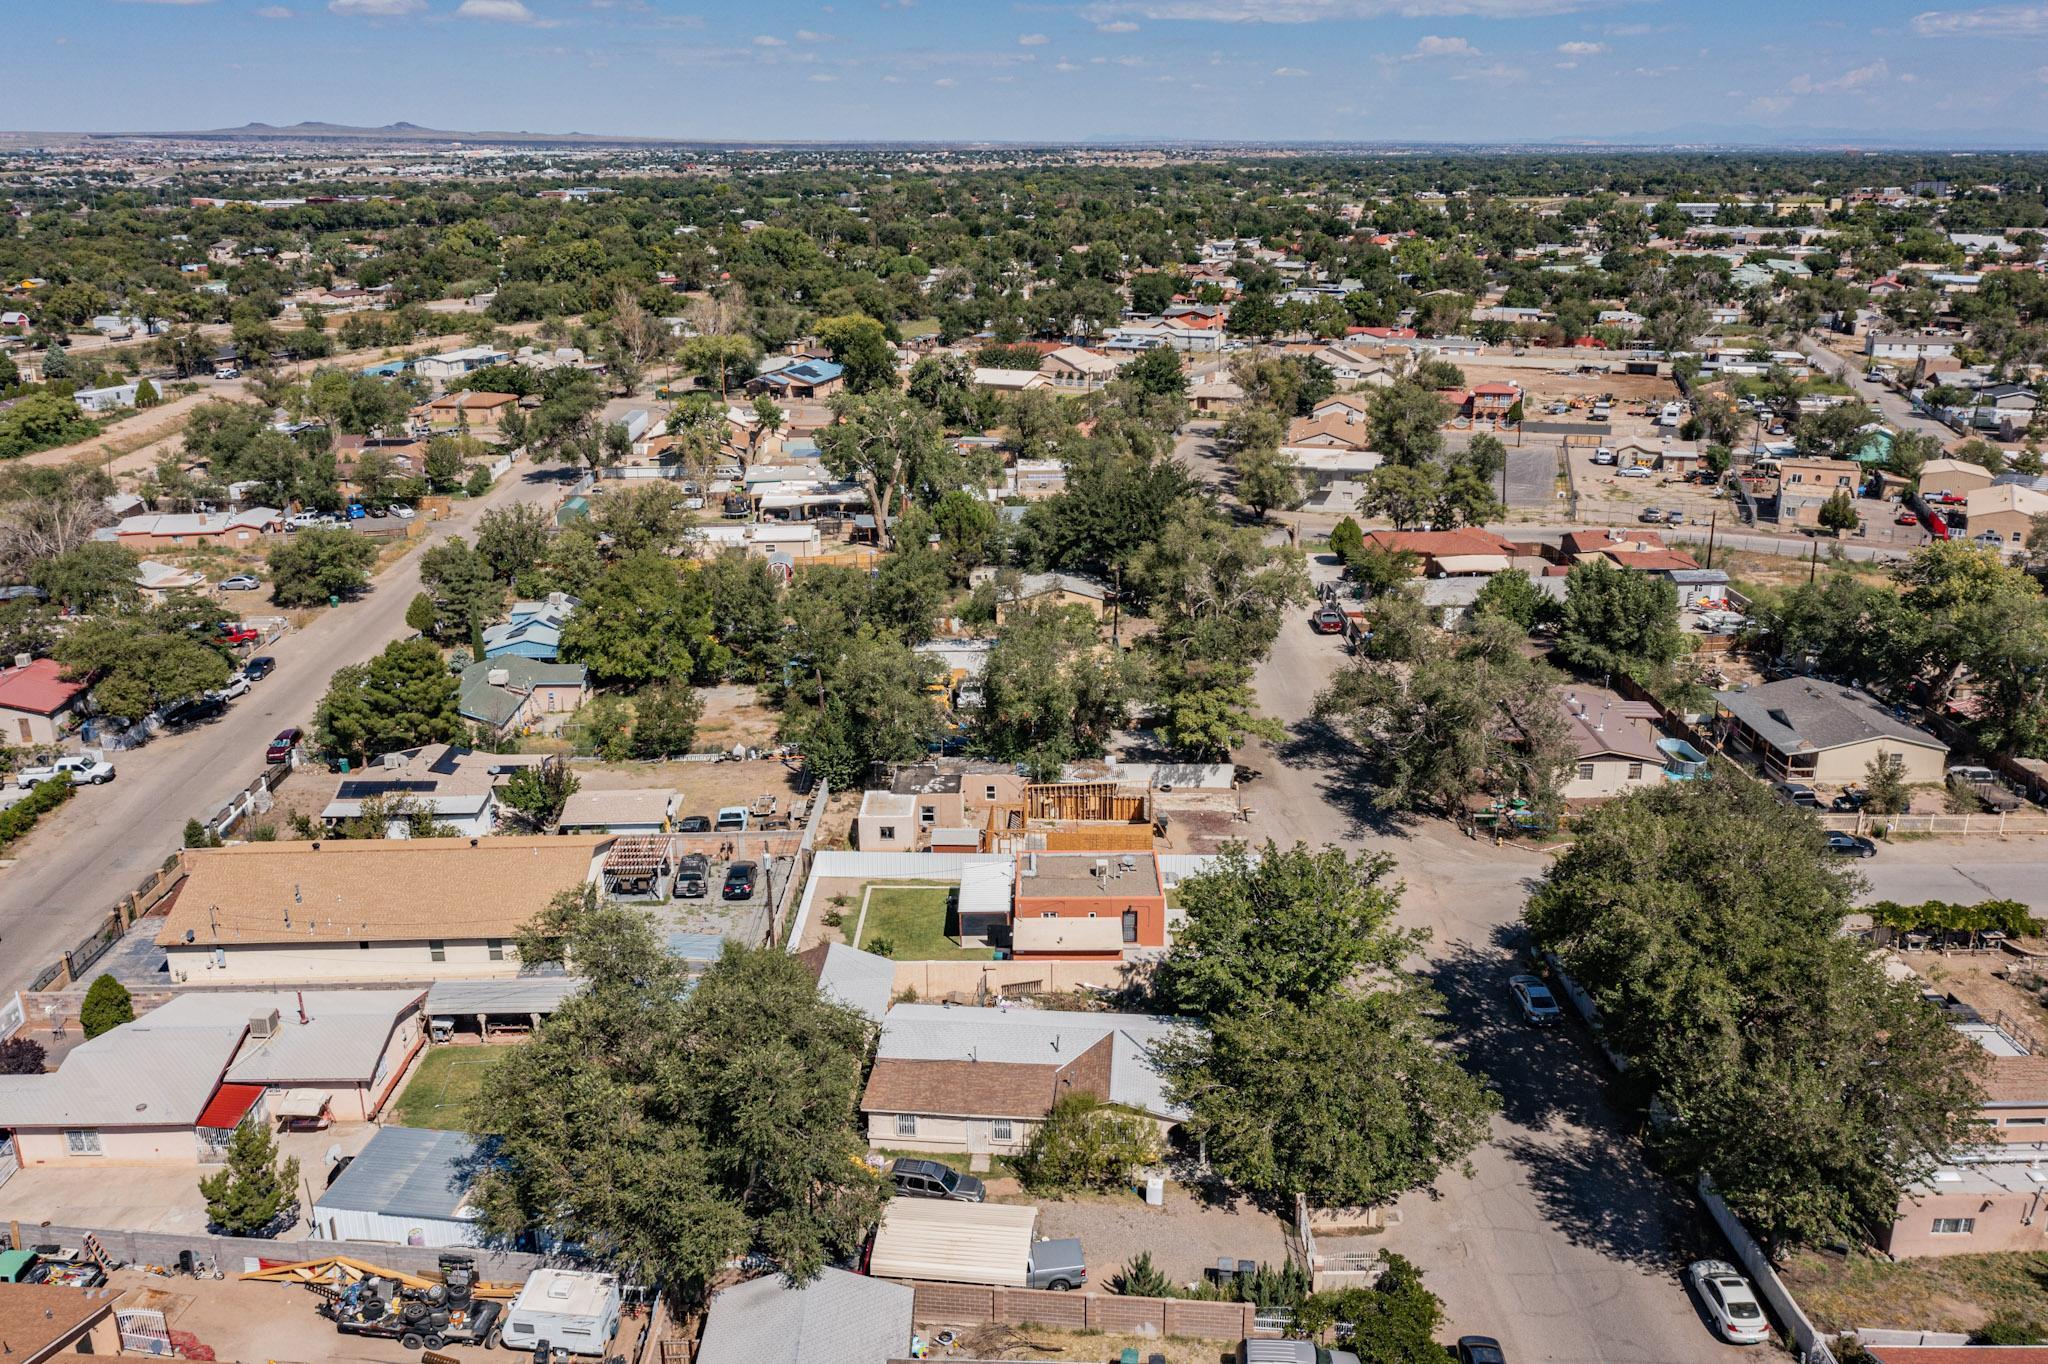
pixel 18 818
pixel 107 1006
pixel 1142 1279
pixel 1085 1144
pixel 2008 1328
pixel 22 1056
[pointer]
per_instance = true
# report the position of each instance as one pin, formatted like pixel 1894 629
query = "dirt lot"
pixel 1986 982
pixel 1946 1293
pixel 1186 1237
pixel 1079 1347
pixel 246 1320
pixel 1545 386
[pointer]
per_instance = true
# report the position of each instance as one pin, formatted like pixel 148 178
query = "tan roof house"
pixel 372 909
pixel 2006 510
pixel 1077 370
pixel 1615 742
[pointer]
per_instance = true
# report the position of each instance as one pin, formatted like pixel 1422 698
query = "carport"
pixel 481 1007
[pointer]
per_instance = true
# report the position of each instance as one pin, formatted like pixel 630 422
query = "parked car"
pixel 400 510
pixel 1633 471
pixel 1851 845
pixel 1603 456
pixel 1650 516
pixel 84 769
pixel 281 747
pixel 1850 801
pixel 1730 1302
pixel 1674 517
pixel 1327 620
pixel 239 634
pixel 1534 999
pixel 193 711
pixel 241 582
pixel 693 877
pixel 1479 1350
pixel 694 824
pixel 357 511
pixel 1799 794
pixel 732 819
pixel 237 685
pixel 259 667
pixel 739 881
pixel 1058 1265
pixel 929 1179
pixel 1905 518
pixel 305 520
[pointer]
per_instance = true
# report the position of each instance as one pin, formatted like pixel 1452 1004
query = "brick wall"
pixel 948 1304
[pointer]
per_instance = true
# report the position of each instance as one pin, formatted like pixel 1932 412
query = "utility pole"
pixel 1713 516
pixel 1813 566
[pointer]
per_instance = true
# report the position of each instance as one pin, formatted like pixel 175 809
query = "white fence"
pixel 1992 825
pixel 1813 1347
pixel 143 1331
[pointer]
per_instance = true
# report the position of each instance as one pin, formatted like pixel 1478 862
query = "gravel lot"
pixel 1186 1237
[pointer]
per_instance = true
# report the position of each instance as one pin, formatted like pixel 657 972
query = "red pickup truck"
pixel 239 634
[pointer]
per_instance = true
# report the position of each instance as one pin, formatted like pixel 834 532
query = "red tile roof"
pixel 228 1105
pixel 39 688
pixel 1960 1354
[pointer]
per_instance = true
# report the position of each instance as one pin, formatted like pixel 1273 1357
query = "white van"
pixel 575 1311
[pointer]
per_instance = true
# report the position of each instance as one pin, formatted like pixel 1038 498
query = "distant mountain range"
pixel 390 132
pixel 1758 135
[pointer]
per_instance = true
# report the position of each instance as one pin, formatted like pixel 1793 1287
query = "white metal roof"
pixel 836 1318
pixel 941 1239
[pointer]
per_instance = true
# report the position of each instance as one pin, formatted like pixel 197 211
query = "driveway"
pixel 96 847
pixel 1561 1241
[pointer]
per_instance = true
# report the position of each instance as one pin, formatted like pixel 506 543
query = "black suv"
pixel 739 881
pixel 929 1179
pixel 193 711
pixel 693 874
pixel 694 824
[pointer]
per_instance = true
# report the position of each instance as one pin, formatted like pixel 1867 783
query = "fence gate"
pixel 8 1163
pixel 144 1330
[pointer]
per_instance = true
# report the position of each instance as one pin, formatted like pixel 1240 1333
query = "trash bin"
pixel 1155 1191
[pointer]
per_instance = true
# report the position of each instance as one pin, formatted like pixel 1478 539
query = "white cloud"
pixel 1065 65
pixel 2008 21
pixel 275 12
pixel 376 9
pixel 1032 40
pixel 822 78
pixel 770 40
pixel 1582 49
pixel 805 35
pixel 1770 105
pixel 500 12
pixel 1849 80
pixel 1117 26
pixel 1312 11
pixel 1289 71
pixel 1431 45
pixel 945 82
pixel 1494 71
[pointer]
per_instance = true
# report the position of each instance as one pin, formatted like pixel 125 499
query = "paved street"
pixel 1960 870
pixel 1896 408
pixel 98 846
pixel 1561 1242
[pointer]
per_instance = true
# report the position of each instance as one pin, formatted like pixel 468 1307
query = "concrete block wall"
pixel 227 1253
pixel 970 1305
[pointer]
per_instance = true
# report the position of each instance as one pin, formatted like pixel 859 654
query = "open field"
pixel 1950 1293
pixel 441 1088
pixel 1081 1347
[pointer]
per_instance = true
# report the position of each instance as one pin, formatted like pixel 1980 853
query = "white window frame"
pixel 437 949
pixel 82 1141
pixel 887 831
pixel 1955 1226
pixel 495 948
pixel 1001 1129
pixel 906 1124
pixel 1585 771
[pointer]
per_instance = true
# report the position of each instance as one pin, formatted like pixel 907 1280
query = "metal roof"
pixel 1800 713
pixel 341 1041
pixel 522 995
pixel 837 1318
pixel 410 1172
pixel 859 980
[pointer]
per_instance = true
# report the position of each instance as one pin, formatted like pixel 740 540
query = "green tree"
pixel 513 540
pixel 891 447
pixel 257 1183
pixel 316 564
pixel 665 721
pixel 1405 423
pixel 448 460
pixel 1158 373
pixel 1085 1143
pixel 746 607
pixel 1395 1321
pixel 861 345
pixel 466 596
pixel 402 698
pixel 1884 785
pixel 420 614
pixel 146 395
pixel 93 576
pixel 1406 494
pixel 862 698
pixel 1347 542
pixel 1290 926
pixel 106 1007
pixel 1266 479
pixel 714 359
pixel 1839 512
pixel 1615 621
pixel 1511 595
pixel 684 1123
pixel 538 792
pixel 641 622
pixel 1051 690
pixel 139 662
pixel 42 421
pixel 1706 927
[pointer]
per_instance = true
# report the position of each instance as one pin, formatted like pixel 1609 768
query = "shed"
pixel 986 892
pixel 962 1242
pixel 618 812
pixel 836 1318
pixel 409 1186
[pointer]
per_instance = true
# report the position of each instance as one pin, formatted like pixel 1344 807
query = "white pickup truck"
pixel 84 769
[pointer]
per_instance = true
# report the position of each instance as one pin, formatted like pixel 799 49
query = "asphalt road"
pixel 1895 406
pixel 95 848
pixel 1960 870
pixel 1561 1242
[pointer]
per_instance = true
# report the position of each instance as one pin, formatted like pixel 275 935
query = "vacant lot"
pixel 447 1079
pixel 1082 1347
pixel 1950 1293
pixel 916 923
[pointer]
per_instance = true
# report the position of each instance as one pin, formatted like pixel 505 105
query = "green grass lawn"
pixel 447 1079
pixel 919 923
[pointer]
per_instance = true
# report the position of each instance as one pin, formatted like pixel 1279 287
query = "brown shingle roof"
pixel 36 1316
pixel 376 889
pixel 2017 1079
pixel 964 1089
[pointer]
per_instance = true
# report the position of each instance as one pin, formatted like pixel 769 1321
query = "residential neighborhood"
pixel 876 743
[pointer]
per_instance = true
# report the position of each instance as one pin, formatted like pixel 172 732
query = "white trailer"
pixel 575 1311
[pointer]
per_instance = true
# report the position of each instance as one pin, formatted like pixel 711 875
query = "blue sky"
pixel 1040 69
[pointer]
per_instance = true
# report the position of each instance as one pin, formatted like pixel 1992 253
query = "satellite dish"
pixel 333 1153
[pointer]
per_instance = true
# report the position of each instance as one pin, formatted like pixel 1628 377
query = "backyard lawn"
pixel 916 923
pixel 447 1079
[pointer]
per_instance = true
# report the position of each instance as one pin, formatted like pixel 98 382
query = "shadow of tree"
pixel 1596 1188
pixel 1344 778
